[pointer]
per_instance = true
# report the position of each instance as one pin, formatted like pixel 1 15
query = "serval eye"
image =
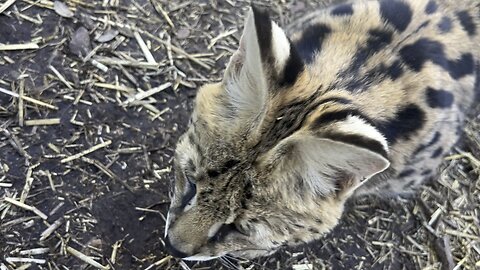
pixel 190 192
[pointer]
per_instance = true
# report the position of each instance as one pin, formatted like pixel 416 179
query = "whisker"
pixel 245 260
pixel 227 263
pixel 234 264
pixel 185 266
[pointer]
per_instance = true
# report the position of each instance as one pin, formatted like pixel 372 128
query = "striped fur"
pixel 361 98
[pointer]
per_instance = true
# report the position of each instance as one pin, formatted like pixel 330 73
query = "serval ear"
pixel 326 165
pixel 335 161
pixel 264 63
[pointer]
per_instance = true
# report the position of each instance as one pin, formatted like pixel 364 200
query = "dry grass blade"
pixel 116 61
pixel 6 5
pixel 29 99
pixel 114 87
pixel 34 251
pixel 148 93
pixel 87 151
pixel 60 77
pixel 45 234
pixel 26 207
pixel 25 260
pixel 144 48
pixel 158 7
pixel 85 258
pixel 18 47
pixel 42 122
pixel 21 109
pixel 28 184
pixel 159 262
pixel 180 51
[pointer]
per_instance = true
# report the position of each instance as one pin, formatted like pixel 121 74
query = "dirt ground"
pixel 105 89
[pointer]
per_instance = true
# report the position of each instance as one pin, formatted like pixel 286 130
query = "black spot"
pixel 416 54
pixel 377 40
pixel 293 68
pixel 248 191
pixel 213 173
pixel 247 194
pixel 437 152
pixel 406 173
pixel 311 41
pixel 395 70
pixel 439 98
pixel 387 186
pixel 407 121
pixel 263 26
pixel 357 140
pixel 445 25
pixel 342 10
pixel 410 184
pixel 396 13
pixel 431 7
pixel 229 164
pixel 313 230
pixel 464 66
pixel 433 141
pixel 426 172
pixel 467 22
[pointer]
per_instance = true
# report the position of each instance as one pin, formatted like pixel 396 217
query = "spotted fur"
pixel 361 98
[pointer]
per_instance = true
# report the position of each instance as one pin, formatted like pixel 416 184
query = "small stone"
pixel 80 43
pixel 62 9
pixel 183 33
pixel 107 35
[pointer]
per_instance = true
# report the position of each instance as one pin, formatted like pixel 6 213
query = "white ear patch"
pixel 355 125
pixel 258 68
pixel 280 47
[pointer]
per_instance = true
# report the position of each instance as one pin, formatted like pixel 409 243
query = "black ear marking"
pixel 293 68
pixel 263 26
pixel 294 65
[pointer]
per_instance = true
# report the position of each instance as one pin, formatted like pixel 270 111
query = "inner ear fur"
pixel 325 164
